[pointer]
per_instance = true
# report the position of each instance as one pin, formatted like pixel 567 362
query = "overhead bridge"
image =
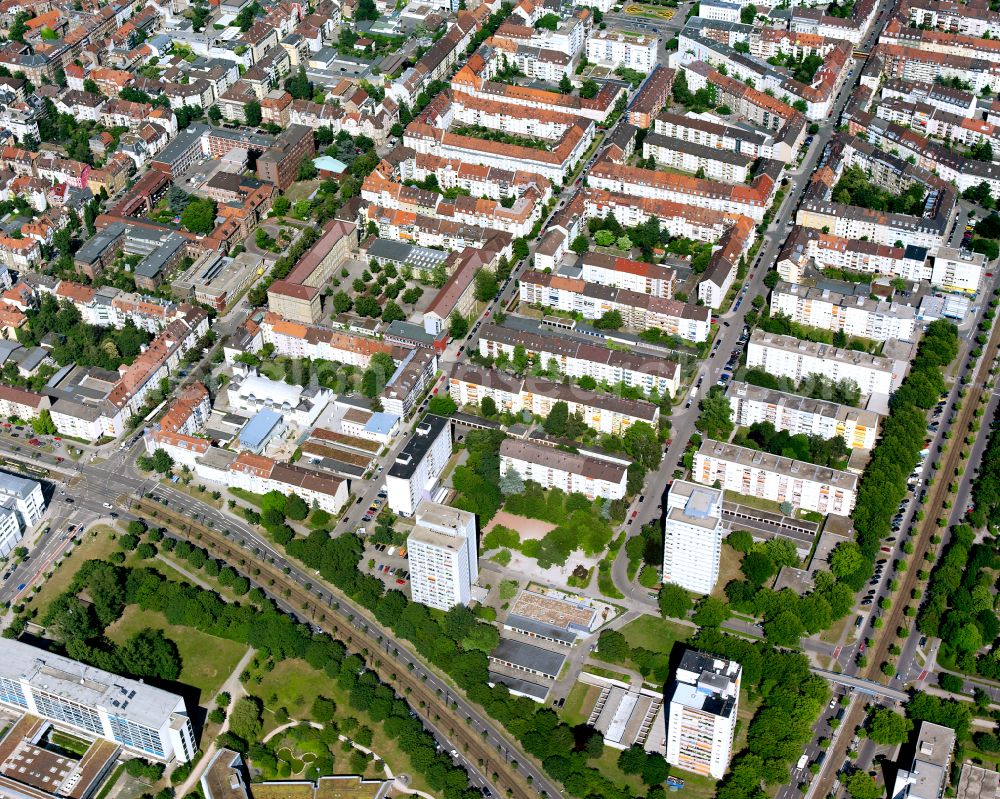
pixel 862 685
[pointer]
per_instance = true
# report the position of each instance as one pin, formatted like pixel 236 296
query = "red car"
pixel 989 274
pixel 884 549
pixel 34 442
pixel 635 513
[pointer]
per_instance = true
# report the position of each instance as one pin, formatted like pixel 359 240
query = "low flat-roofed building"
pixel 226 778
pixel 550 618
pixel 977 782
pixel 625 718
pixel 527 658
pixel 32 767
pixel 262 427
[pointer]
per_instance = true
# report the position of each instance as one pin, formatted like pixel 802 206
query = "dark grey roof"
pixel 416 449
pixel 529 656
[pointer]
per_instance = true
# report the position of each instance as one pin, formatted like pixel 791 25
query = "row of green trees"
pixel 986 486
pixel 959 608
pixel 883 484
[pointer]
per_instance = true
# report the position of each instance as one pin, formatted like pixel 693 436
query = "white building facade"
pixel 569 472
pixel 145 720
pixel 759 474
pixel 701 724
pixel 418 466
pixel 692 536
pixel 785 356
pixel 443 556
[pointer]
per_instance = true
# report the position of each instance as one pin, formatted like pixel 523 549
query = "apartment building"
pixel 753 104
pixel 414 475
pixel 260 474
pixel 624 273
pixel 443 556
pixel 639 311
pixel 280 164
pixel 146 721
pixel 570 472
pixel 806 246
pixel 652 97
pixel 880 227
pixel 22 403
pixel 759 474
pixel 750 200
pixel 704 701
pixel 412 377
pixel 721 165
pixel 578 359
pixel 692 536
pixel 303 341
pixel 622 49
pixel 927 776
pixel 945 98
pixel 22 504
pixel 717 135
pixel 605 413
pixel 852 314
pixel 796 414
pixel 786 356
pixel 955 269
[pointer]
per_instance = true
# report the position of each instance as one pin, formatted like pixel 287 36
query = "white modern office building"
pixel 147 721
pixel 797 414
pixel 759 474
pixel 22 504
pixel 415 473
pixel 692 536
pixel 703 700
pixel 786 356
pixel 443 556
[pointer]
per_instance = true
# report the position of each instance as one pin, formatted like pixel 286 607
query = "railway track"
pixel 926 529
pixel 391 664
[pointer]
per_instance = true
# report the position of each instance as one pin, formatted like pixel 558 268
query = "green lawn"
pixel 294 685
pixel 579 703
pixel 96 545
pixel 206 660
pixel 655 634
pixel 607 764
